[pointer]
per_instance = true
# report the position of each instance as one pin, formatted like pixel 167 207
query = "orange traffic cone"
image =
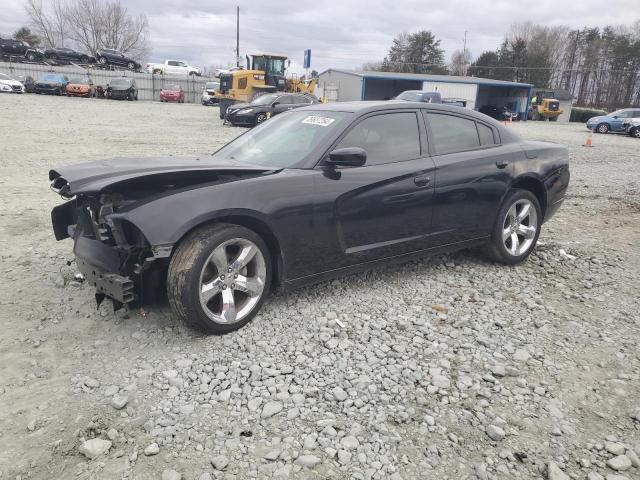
pixel 589 142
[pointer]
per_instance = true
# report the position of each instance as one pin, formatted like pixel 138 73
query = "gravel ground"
pixel 447 368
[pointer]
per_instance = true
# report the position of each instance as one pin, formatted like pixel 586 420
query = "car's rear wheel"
pixel 219 277
pixel 602 128
pixel 517 228
pixel 84 59
pixel 131 66
pixel 635 132
pixel 261 117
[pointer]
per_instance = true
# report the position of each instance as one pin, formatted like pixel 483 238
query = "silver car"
pixel 209 92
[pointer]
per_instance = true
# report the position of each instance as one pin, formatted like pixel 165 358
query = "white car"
pixel 10 85
pixel 209 92
pixel 173 67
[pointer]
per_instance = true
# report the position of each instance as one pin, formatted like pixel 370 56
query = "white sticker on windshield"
pixel 322 121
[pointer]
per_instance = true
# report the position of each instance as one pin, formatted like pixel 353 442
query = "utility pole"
pixel 237 36
pixel 464 55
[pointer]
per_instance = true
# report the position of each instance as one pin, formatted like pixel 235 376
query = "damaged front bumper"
pixel 112 263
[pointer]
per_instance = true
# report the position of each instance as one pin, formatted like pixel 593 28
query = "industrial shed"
pixel 343 86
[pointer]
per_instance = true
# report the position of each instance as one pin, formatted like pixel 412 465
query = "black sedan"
pixel 59 55
pixel 265 106
pixel 311 194
pixel 52 84
pixel 122 89
pixel 108 56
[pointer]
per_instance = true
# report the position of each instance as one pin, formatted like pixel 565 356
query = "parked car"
pixel 81 87
pixel 52 84
pixel 123 88
pixel 108 56
pixel 68 55
pixel 420 96
pixel 613 122
pixel 499 113
pixel 9 84
pixel 172 67
pixel 632 127
pixel 18 48
pixel 28 82
pixel 265 106
pixel 311 194
pixel 208 93
pixel 172 93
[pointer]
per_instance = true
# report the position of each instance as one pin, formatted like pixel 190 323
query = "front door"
pixel 383 208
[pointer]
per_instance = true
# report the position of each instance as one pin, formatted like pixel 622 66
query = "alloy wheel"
pixel 519 227
pixel 261 117
pixel 603 128
pixel 232 281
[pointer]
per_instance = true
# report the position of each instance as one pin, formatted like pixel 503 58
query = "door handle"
pixel 502 163
pixel 422 180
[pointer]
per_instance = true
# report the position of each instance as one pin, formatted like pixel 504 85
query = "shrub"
pixel 581 114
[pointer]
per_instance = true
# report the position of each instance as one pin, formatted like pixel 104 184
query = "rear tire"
pixel 131 66
pixel 603 128
pixel 204 262
pixel 516 230
pixel 635 132
pixel 31 56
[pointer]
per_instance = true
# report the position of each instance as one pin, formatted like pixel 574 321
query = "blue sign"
pixel 307 58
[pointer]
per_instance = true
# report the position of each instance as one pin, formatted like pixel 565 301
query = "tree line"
pixel 599 67
pixel 88 25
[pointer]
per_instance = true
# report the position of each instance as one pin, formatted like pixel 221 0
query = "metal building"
pixel 343 85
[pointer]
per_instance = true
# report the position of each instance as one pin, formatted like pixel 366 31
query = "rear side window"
pixel 453 134
pixel 387 138
pixel 486 135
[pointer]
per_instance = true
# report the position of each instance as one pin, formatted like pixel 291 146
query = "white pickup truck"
pixel 172 67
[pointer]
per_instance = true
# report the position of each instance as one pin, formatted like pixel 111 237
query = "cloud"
pixel 342 34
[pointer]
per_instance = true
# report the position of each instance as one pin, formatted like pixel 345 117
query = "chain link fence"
pixel 148 85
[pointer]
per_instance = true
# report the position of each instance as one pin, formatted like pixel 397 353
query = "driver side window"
pixel 387 138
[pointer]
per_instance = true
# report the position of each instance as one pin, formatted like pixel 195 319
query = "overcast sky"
pixel 341 34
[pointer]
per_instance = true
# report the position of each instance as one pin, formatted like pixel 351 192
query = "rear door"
pixel 473 171
pixel 383 208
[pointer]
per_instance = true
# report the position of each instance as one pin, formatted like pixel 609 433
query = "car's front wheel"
pixel 517 228
pixel 219 277
pixel 602 128
pixel 31 56
pixel 261 117
pixel 102 61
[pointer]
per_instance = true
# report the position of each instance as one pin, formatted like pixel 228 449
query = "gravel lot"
pixel 447 368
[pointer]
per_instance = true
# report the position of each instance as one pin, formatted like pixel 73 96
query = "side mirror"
pixel 615 116
pixel 275 104
pixel 347 157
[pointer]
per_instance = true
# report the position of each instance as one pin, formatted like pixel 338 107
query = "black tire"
pixel 130 97
pixel 31 56
pixel 103 61
pixel 496 248
pixel 187 263
pixel 261 117
pixel 131 66
pixel 635 132
pixel 84 59
pixel 603 128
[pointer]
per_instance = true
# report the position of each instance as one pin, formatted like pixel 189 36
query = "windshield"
pixel 273 66
pixel 283 141
pixel 81 80
pixel 120 82
pixel 620 113
pixel 51 78
pixel 410 96
pixel 172 87
pixel 265 99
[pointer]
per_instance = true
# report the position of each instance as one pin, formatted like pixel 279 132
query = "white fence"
pixel 148 85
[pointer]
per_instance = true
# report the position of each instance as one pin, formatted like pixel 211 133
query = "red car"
pixel 172 93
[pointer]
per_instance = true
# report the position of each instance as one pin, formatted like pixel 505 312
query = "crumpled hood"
pixel 95 176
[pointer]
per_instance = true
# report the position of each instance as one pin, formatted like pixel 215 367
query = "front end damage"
pixel 113 255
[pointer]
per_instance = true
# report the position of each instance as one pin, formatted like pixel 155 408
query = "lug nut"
pixel 233 285
pixel 222 277
pixel 229 270
pixel 235 276
pixel 224 287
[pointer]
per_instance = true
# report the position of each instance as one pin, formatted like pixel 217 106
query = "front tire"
pixel 103 61
pixel 603 128
pixel 131 66
pixel 261 117
pixel 517 228
pixel 219 277
pixel 31 57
